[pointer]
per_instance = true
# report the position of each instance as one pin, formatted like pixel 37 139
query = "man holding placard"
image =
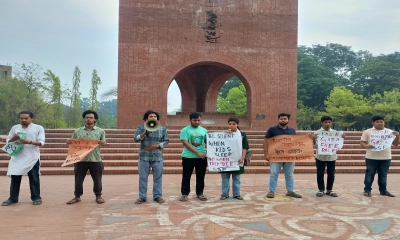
pixel 378 141
pixel 91 161
pixel 29 137
pixel 288 167
pixel 328 141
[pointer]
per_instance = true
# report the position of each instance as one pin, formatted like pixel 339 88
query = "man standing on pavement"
pixel 27 160
pixel 288 167
pixel 193 138
pixel 152 144
pixel 375 160
pixel 92 161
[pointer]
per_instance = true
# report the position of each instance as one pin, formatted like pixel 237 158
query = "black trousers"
pixel 330 170
pixel 188 164
pixel 96 171
pixel 34 184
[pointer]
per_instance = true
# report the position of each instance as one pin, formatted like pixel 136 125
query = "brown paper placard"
pixel 290 148
pixel 78 149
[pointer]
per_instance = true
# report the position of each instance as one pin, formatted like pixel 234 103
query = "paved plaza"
pixel 349 216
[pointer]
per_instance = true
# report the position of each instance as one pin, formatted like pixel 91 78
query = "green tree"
pixel 228 85
pixel 379 74
pixel 235 101
pixel 96 81
pixel 387 105
pixel 315 81
pixel 305 117
pixel 56 96
pixel 344 107
pixel 74 116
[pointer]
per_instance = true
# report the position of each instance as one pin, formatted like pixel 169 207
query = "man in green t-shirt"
pixel 193 138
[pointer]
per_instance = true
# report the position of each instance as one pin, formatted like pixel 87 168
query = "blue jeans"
pixel 376 166
pixel 226 184
pixel 275 168
pixel 144 171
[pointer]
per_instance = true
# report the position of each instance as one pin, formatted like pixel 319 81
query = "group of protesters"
pixel 194 156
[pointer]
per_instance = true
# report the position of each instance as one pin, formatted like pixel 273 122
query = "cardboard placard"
pixel 381 139
pixel 223 152
pixel 78 149
pixel 329 142
pixel 290 148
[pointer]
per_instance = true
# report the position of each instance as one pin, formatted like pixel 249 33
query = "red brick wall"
pixel 162 40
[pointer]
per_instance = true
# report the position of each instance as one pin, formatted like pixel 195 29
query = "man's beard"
pixel 283 123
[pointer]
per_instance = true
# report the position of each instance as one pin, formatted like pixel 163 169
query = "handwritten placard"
pixel 223 152
pixel 290 148
pixel 10 147
pixel 329 142
pixel 381 139
pixel 78 149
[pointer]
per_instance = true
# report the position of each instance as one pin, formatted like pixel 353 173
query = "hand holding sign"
pixel 78 149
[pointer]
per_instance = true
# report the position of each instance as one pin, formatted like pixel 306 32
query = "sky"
pixel 61 34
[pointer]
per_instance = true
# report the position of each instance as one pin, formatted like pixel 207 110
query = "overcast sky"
pixel 62 34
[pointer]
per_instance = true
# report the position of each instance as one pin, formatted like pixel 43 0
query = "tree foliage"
pixel 228 85
pixel 74 119
pixel 387 105
pixel 96 81
pixel 234 102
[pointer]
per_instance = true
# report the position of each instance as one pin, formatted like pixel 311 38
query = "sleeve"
pixel 184 135
pixel 245 142
pixel 268 134
pixel 10 134
pixel 365 136
pixel 75 134
pixel 165 139
pixel 139 130
pixel 103 135
pixel 41 136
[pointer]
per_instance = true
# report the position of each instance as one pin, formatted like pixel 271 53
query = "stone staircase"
pixel 121 154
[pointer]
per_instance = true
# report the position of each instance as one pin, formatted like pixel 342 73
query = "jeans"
pixel 235 184
pixel 34 184
pixel 330 170
pixel 96 171
pixel 376 166
pixel 188 164
pixel 275 168
pixel 144 172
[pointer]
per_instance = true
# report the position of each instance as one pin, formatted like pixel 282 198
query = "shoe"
pixel 294 195
pixel 387 194
pixel 367 194
pixel 271 195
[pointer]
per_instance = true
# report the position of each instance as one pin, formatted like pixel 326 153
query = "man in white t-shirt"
pixel 377 161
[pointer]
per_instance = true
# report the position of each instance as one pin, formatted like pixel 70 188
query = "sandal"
pixel 271 195
pixel 320 193
pixel 367 194
pixel 223 197
pixel 239 197
pixel 331 193
pixel 8 202
pixel 100 200
pixel 140 201
pixel 184 198
pixel 37 202
pixel 74 200
pixel 201 197
pixel 294 195
pixel 159 200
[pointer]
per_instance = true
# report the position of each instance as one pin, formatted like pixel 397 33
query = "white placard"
pixel 10 147
pixel 381 139
pixel 223 152
pixel 329 142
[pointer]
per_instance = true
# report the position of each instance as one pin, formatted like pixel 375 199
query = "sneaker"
pixel 294 195
pixel 367 194
pixel 271 195
pixel 387 194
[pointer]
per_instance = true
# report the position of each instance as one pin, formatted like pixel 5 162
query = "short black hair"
pixel 326 118
pixel 194 115
pixel 284 115
pixel 376 118
pixel 148 112
pixel 234 119
pixel 90 112
pixel 26 112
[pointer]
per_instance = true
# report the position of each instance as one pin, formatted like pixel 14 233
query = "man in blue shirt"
pixel 288 167
pixel 150 156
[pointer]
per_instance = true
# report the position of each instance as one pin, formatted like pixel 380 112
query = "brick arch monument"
pixel 201 44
